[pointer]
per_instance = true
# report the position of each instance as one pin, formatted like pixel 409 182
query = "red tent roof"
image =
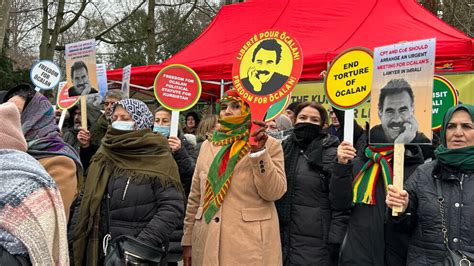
pixel 323 29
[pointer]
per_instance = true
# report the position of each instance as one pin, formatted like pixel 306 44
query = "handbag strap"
pixel 108 236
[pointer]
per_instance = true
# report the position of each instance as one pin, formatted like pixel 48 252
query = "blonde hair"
pixel 206 126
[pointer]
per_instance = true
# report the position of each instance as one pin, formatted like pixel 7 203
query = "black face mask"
pixel 305 133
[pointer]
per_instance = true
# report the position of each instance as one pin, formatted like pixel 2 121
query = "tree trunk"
pixel 4 14
pixel 44 31
pixel 151 42
pixel 49 37
pixel 471 20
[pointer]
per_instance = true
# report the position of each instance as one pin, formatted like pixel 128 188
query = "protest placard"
pixel 81 68
pixel 102 79
pixel 348 84
pixel 126 72
pixel 402 80
pixel 45 75
pixel 177 88
pixel 266 69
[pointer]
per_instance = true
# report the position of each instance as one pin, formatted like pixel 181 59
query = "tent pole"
pixel 222 88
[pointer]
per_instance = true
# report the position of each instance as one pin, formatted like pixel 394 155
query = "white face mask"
pixel 123 125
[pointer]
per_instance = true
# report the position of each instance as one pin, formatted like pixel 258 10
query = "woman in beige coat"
pixel 231 217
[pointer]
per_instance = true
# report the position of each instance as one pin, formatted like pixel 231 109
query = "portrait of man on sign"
pixel 396 113
pixel 80 80
pixel 263 77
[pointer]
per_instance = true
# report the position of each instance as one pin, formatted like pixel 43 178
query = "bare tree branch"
pixel 26 10
pixel 75 18
pixel 99 37
pixel 120 42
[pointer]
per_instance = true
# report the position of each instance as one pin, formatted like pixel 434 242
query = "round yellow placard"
pixel 349 79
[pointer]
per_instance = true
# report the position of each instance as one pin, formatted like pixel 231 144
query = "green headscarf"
pixel 462 158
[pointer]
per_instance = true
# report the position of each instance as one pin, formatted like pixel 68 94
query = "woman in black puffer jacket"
pixel 451 178
pixel 183 153
pixel 132 188
pixel 311 232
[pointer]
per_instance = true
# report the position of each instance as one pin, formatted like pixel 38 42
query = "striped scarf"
pixel 233 137
pixel 366 180
pixel 31 211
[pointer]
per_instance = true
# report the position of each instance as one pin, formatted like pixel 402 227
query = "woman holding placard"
pixel 359 184
pixel 181 150
pixel 438 199
pixel 231 217
pixel 311 232
pixel 132 190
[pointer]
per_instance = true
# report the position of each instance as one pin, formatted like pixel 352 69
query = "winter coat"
pixel 13 260
pixel 369 240
pixel 422 216
pixel 184 157
pixel 186 165
pixel 245 229
pixel 143 209
pixel 313 224
pixel 64 172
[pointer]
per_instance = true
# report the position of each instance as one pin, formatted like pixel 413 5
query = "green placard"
pixel 444 97
pixel 277 108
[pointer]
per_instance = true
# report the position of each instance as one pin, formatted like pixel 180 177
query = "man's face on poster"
pixel 80 79
pixel 265 64
pixel 396 112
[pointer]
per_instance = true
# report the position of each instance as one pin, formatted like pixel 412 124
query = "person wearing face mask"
pixel 438 199
pixel 280 128
pixel 181 150
pixel 132 188
pixel 311 231
pixel 231 217
pixel 89 140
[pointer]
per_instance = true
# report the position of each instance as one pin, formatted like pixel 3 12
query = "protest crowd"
pixel 297 196
pixel 361 159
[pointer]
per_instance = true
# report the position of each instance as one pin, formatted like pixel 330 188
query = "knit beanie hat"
pixel 11 136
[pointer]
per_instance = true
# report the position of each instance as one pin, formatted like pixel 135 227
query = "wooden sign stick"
pixel 61 119
pixel 84 111
pixel 174 123
pixel 398 165
pixel 349 126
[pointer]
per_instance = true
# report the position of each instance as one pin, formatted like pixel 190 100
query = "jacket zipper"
pixel 126 188
pixel 460 206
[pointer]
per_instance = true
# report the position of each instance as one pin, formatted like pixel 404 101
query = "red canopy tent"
pixel 323 29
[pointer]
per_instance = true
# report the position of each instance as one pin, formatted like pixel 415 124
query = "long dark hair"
pixel 317 106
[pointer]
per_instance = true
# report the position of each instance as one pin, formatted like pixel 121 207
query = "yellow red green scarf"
pixel 233 137
pixel 366 180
